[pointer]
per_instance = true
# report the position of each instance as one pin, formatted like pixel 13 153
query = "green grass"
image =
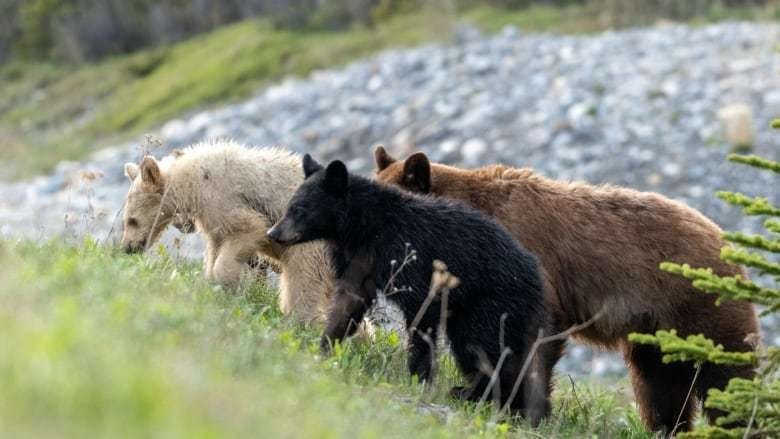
pixel 51 112
pixel 99 344
pixel 567 20
pixel 584 19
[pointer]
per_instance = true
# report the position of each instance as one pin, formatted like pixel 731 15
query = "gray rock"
pixel 473 151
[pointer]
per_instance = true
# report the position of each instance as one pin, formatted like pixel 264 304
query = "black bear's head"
pixel 316 208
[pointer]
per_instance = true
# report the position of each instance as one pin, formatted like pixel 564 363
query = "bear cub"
pixel 492 316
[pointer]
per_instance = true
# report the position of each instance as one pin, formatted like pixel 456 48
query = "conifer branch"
pixel 772 225
pixel 750 205
pixel 755 161
pixel 728 287
pixel 755 260
pixel 754 241
pixel 750 407
pixel 696 348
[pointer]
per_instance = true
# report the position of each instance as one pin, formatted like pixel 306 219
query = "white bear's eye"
pixel 132 222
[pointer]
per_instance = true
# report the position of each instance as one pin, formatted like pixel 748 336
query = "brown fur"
pixel 601 246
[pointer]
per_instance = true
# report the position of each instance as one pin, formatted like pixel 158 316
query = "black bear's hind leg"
pixel 473 390
pixel 422 349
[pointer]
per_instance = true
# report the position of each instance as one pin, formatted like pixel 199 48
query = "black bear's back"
pixel 490 264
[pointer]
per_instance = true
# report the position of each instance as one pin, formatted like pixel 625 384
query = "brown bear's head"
pixel 144 217
pixel 413 174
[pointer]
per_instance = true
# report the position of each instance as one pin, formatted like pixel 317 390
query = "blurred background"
pixel 649 94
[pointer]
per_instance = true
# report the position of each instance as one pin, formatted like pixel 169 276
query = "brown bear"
pixel 600 247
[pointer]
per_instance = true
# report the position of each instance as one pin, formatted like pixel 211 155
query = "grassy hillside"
pixel 49 112
pixel 52 112
pixel 100 344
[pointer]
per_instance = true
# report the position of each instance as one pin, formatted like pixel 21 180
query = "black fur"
pixel 367 225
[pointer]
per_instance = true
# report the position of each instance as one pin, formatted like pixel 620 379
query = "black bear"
pixel 492 317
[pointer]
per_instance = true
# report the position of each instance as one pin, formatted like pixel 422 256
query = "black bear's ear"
pixel 310 166
pixel 336 178
pixel 417 173
pixel 382 158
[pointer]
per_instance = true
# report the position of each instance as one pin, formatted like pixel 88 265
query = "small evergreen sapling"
pixel 753 405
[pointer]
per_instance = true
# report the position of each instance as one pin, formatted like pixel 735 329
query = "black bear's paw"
pixel 325 347
pixel 463 393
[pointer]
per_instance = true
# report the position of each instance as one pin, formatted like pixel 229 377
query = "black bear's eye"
pixel 132 222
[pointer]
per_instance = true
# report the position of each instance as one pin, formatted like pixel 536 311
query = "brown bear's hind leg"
pixel 661 389
pixel 718 376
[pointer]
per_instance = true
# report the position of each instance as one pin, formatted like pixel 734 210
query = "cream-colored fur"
pixel 232 194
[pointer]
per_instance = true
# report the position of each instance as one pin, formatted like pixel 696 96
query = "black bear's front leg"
pixel 422 348
pixel 345 313
pixel 354 294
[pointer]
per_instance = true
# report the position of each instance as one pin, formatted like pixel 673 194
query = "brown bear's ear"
pixel 382 158
pixel 310 166
pixel 417 173
pixel 336 178
pixel 150 171
pixel 131 171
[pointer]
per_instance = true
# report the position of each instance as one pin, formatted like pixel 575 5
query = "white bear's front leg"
pixel 209 258
pixel 306 282
pixel 233 257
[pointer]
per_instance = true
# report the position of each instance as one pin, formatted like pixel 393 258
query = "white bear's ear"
pixel 131 171
pixel 310 166
pixel 382 158
pixel 150 171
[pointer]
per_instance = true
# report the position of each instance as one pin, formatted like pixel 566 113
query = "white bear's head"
pixel 145 217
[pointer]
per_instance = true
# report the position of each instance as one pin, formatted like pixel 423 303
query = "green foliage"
pixel 755 161
pixel 96 343
pixel 34 20
pixel 696 348
pixel 772 225
pixel 751 205
pixel 755 260
pixel 750 404
pixel 728 287
pixel 386 9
